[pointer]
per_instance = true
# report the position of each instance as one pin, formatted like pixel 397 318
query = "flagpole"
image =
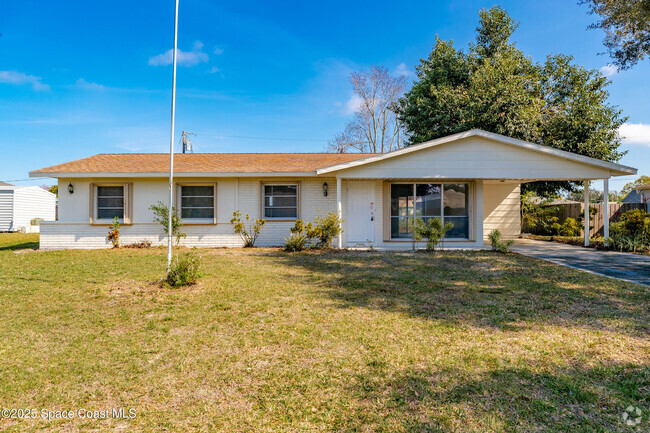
pixel 171 148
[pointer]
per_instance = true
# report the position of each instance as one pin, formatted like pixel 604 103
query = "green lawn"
pixel 335 341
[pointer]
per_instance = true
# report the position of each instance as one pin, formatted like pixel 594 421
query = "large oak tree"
pixel 494 86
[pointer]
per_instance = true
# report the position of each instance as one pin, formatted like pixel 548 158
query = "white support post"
pixel 586 214
pixel 606 211
pixel 339 241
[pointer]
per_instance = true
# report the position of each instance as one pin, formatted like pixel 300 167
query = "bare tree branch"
pixel 375 127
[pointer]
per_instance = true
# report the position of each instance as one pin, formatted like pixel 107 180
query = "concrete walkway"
pixel 624 266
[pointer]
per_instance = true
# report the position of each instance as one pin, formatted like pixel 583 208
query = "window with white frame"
pixel 110 202
pixel 449 201
pixel 197 202
pixel 280 201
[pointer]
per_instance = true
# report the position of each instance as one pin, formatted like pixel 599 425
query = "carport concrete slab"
pixel 624 266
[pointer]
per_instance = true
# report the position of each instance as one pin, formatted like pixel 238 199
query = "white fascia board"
pixel 621 169
pixel 176 175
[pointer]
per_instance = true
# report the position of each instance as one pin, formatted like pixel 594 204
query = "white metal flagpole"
pixel 171 148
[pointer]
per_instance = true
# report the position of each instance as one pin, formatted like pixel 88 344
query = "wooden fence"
pixel 597 220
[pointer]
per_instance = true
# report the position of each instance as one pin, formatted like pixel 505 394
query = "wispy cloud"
pixel 352 105
pixel 609 70
pixel 635 133
pixel 218 50
pixel 184 58
pixel 214 70
pixel 20 78
pixel 402 71
pixel 85 85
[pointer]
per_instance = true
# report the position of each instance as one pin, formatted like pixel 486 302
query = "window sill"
pixel 199 223
pixel 108 223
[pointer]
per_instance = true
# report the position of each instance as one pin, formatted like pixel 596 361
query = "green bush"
pixel 570 227
pixel 161 216
pixel 497 245
pixel 632 232
pixel 432 230
pixel 184 271
pixel 297 241
pixel 325 229
pixel 248 229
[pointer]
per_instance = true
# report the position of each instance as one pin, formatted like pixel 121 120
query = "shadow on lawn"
pixel 475 288
pixel 504 399
pixel 20 246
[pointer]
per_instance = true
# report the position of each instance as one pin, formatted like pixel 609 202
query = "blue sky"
pixel 80 78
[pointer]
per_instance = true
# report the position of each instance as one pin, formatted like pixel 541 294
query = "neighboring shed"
pixel 19 205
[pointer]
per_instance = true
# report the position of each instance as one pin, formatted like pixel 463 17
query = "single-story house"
pixel 23 207
pixel 640 194
pixel 471 179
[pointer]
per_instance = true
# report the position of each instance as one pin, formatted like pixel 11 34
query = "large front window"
pixel 197 202
pixel 281 201
pixel 110 202
pixel 449 201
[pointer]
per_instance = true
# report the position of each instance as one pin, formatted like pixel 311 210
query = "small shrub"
pixel 114 233
pixel 497 245
pixel 570 227
pixel 325 229
pixel 161 216
pixel 139 244
pixel 184 271
pixel 297 240
pixel 432 230
pixel 248 229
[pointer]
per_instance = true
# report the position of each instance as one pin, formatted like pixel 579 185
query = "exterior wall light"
pixel 324 189
pixel 70 188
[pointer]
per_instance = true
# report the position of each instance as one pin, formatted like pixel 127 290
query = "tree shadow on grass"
pixel 20 246
pixel 477 288
pixel 575 399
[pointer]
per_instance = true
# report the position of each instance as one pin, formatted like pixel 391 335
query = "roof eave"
pixel 59 175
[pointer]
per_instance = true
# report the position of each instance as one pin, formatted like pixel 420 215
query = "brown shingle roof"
pixel 203 163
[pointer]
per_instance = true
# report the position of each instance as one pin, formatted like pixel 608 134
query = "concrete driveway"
pixel 624 266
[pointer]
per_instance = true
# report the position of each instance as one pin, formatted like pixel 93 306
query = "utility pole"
pixel 187 144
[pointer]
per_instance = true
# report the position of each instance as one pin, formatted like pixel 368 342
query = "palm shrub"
pixel 247 229
pixel 161 216
pixel 433 230
pixel 497 245
pixel 184 271
pixel 632 232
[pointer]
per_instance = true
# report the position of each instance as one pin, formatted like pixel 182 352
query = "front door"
pixel 361 212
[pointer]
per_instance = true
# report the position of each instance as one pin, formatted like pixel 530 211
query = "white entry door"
pixel 361 212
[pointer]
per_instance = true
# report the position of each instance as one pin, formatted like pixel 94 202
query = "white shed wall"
pixel 6 210
pixel 33 202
